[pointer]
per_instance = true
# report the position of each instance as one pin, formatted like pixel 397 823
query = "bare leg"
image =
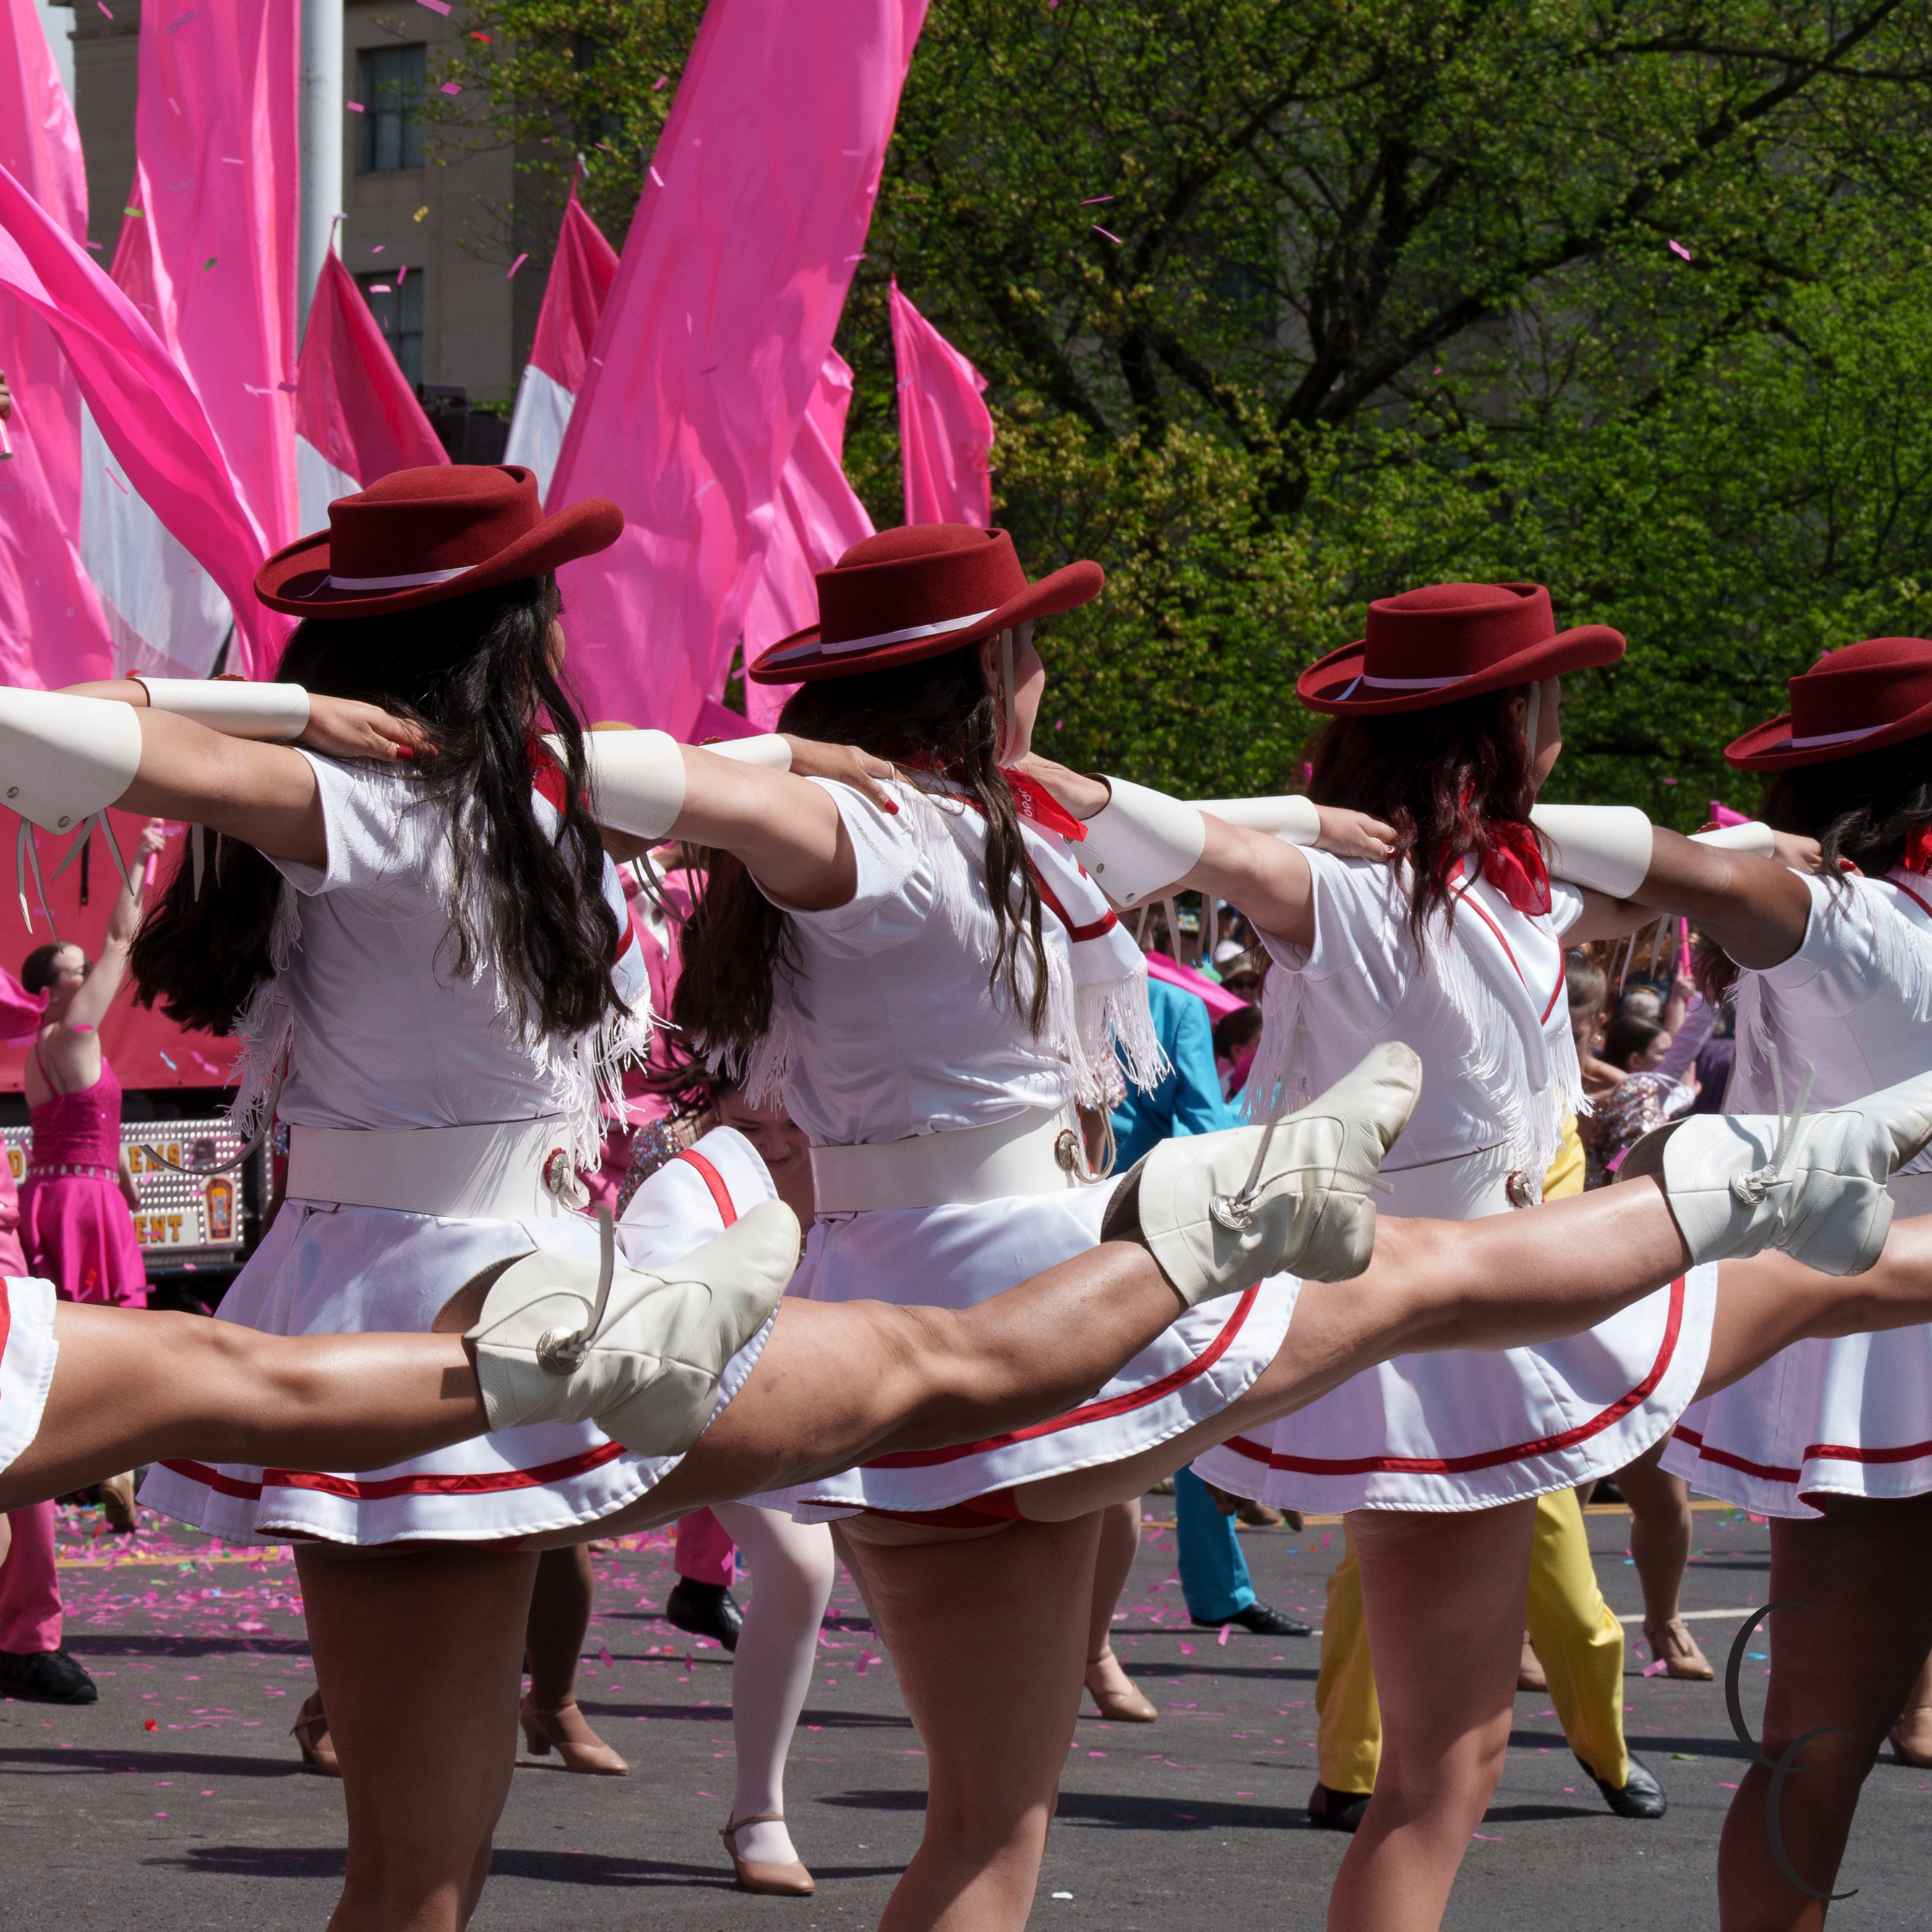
pixel 553 1641
pixel 1843 1664
pixel 418 1656
pixel 1911 1736
pixel 1120 1544
pixel 987 1636
pixel 1433 1587
pixel 1659 1545
pixel 133 1387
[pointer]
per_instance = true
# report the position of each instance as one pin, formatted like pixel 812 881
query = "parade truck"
pixel 203 1193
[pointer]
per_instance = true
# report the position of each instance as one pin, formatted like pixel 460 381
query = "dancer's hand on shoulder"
pixel 346 727
pixel 1354 835
pixel 1796 853
pixel 846 764
pixel 1083 797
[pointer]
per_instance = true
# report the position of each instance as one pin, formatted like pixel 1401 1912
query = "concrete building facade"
pixel 416 198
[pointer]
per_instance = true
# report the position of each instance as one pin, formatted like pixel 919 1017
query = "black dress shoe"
pixel 1336 1810
pixel 705 1609
pixel 1263 1619
pixel 1641 1797
pixel 44 1677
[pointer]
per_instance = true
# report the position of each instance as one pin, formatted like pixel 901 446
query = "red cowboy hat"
pixel 1449 642
pixel 419 536
pixel 1851 701
pixel 917 592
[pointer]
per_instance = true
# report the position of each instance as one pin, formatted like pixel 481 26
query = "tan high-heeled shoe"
pixel 1902 1752
pixel 1673 1645
pixel 791 1881
pixel 1118 1706
pixel 580 1748
pixel 310 1730
pixel 117 1502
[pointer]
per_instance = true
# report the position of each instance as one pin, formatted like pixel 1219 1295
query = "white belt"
pixel 501 1171
pixel 1034 1152
pixel 1464 1187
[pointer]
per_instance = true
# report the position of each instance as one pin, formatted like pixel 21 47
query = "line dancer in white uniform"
pixel 1445 725
pixel 707 1387
pixel 934 1049
pixel 1832 1439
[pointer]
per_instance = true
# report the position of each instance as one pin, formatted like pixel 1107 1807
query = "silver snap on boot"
pixel 640 1355
pixel 1812 1185
pixel 1220 1212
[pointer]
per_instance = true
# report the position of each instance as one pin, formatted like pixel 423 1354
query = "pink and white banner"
pixel 581 272
pixel 946 432
pixel 814 520
pixel 52 629
pixel 150 419
pixel 356 417
pixel 714 339
pixel 216 129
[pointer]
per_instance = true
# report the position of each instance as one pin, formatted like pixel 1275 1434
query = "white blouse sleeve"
pixel 378 827
pixel 1361 939
pixel 895 889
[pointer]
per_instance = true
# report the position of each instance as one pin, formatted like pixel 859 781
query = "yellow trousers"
pixel 1578 1643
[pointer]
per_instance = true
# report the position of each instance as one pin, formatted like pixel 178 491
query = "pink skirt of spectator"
pixel 78 1233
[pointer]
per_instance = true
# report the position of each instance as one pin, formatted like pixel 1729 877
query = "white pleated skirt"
pixel 957 1256
pixel 27 1353
pixel 1472 1429
pixel 1851 1417
pixel 329 1269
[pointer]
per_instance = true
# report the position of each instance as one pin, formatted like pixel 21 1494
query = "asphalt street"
pixel 177 1801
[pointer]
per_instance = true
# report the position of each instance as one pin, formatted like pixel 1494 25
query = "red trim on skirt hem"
pixel 1815 1452
pixel 494 1482
pixel 1488 1459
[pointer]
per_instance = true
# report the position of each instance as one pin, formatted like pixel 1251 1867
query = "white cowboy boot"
pixel 639 1355
pixel 1811 1185
pixel 1220 1212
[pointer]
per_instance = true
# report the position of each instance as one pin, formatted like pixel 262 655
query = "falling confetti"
pixel 517 263
pixel 420 213
pixel 435 6
pixel 656 177
pixel 658 84
pixel 402 275
pixel 1678 248
pixel 379 247
pixel 381 288
pixel 1094 201
pixel 1110 234
pixel 105 8
pixel 354 107
pixel 476 36
pixel 452 87
pixel 209 263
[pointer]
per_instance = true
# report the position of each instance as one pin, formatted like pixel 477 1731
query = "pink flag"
pixel 151 419
pixel 752 219
pixel 356 416
pixel 580 275
pixel 216 129
pixel 814 520
pixel 945 433
pixel 51 630
pixel 1721 814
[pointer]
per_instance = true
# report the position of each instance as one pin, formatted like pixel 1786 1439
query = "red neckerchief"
pixel 1035 803
pixel 1918 851
pixel 1514 865
pixel 547 775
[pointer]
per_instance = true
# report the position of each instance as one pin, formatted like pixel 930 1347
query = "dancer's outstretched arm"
pixel 131 1386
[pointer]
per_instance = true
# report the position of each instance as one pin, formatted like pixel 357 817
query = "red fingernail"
pixel 406 750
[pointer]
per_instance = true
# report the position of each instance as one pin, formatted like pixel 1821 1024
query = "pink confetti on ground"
pixel 518 263
pixel 1653 1669
pixel 1481 1840
pixel 1222 1639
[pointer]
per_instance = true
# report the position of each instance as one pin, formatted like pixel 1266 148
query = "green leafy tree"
pixel 1286 304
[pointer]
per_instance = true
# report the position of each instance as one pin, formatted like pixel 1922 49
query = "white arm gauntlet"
pixel 1141 840
pixel 63 758
pixel 769 749
pixel 232 705
pixel 1606 847
pixel 1288 817
pixel 1753 835
pixel 637 781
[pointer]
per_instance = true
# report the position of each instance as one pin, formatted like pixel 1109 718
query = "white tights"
pixel 792 1567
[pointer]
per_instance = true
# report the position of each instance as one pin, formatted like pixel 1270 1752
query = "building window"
pixel 392 117
pixel 399 313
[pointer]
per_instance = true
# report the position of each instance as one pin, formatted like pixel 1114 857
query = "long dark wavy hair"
pixel 476 673
pixel 1441 777
pixel 934 718
pixel 1864 809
